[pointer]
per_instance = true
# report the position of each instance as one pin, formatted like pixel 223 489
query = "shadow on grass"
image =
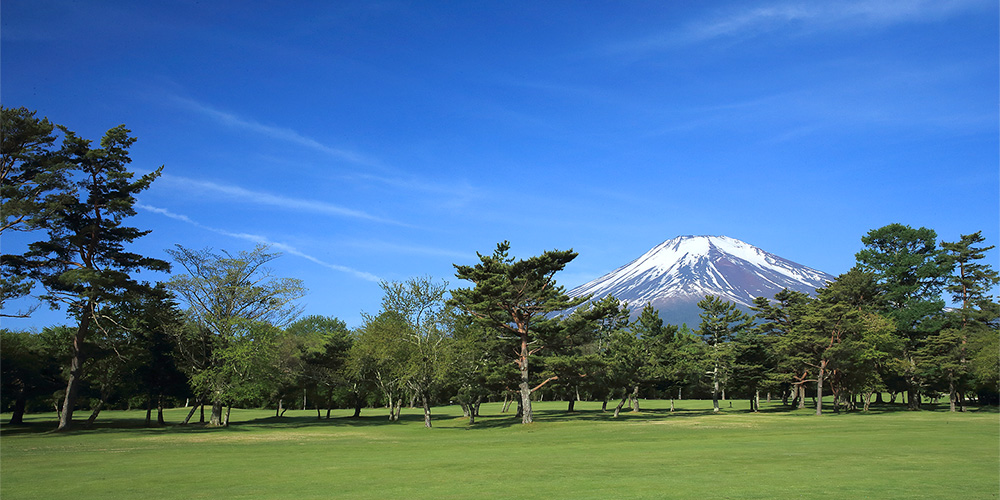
pixel 445 418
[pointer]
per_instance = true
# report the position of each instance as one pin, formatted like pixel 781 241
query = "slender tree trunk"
pixel 625 398
pixel 819 387
pixel 96 412
pixel 952 394
pixel 635 399
pixel 149 409
pixel 604 405
pixel 228 409
pixel 75 373
pixel 190 414
pixel 159 410
pixel 277 411
pixel 678 394
pixel 671 405
pixel 715 389
pixel 526 416
pixel 398 409
pixel 426 403
pixel 201 417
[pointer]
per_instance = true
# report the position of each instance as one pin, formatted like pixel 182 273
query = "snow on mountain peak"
pixel 687 268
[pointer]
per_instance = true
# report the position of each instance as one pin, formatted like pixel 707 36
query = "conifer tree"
pixel 84 265
pixel 516 297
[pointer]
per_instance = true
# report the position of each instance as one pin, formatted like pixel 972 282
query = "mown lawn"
pixel 653 454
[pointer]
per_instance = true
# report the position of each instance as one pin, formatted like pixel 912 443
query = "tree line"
pixel 224 331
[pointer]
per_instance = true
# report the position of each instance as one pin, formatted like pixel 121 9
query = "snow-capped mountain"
pixel 676 274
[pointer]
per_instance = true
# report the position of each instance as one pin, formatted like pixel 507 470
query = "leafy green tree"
pixel 517 297
pixel 721 322
pixel 419 302
pixel 316 352
pixel 31 367
pixel 380 357
pixel 477 364
pixel 239 307
pixel 32 176
pixel 833 333
pixel 911 272
pixel 84 265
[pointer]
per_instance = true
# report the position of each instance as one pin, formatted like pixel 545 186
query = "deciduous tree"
pixel 239 305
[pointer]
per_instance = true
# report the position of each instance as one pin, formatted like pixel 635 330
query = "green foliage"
pixel 517 298
pixel 238 307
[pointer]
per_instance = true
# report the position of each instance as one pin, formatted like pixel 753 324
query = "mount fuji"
pixel 674 275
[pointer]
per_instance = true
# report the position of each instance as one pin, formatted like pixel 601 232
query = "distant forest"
pixel 223 331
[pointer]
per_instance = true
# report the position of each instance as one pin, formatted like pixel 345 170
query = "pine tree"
pixel 84 265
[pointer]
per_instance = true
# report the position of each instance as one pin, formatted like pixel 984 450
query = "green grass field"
pixel 588 454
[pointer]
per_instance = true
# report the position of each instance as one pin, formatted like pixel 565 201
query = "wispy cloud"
pixel 799 18
pixel 256 238
pixel 275 132
pixel 299 204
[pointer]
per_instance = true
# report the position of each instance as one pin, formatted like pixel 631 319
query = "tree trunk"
pixel 715 389
pixel 426 403
pixel 277 411
pixel 671 405
pixel 570 406
pixel 526 416
pixel 678 394
pixel 819 387
pixel 75 373
pixel 20 403
pixel 604 405
pixel 952 395
pixel 159 410
pixel 398 409
pixel 635 399
pixel 95 413
pixel 216 419
pixel 149 409
pixel 618 408
pixel 201 418
pixel 190 414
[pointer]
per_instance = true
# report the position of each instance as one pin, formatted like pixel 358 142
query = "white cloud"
pixel 303 205
pixel 799 18
pixel 274 132
pixel 256 238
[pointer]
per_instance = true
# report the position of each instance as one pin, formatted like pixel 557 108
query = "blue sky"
pixel 386 140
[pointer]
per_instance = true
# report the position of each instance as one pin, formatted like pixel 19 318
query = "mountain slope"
pixel 676 274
